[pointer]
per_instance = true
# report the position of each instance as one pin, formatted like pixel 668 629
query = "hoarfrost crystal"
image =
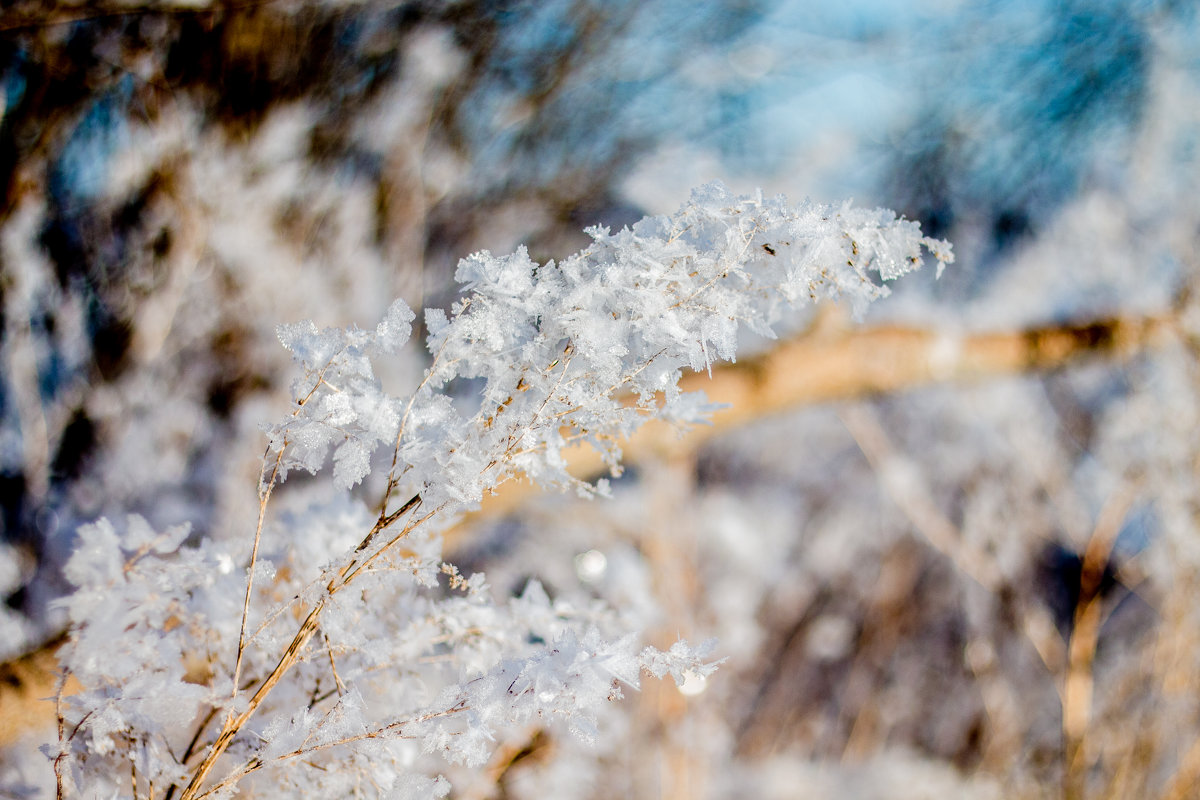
pixel 341 667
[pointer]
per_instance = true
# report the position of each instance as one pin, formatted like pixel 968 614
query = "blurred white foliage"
pixel 257 233
pixel 349 669
pixel 896 775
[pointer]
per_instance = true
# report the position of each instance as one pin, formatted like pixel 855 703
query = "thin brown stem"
pixel 386 521
pixel 337 679
pixel 393 479
pixel 394 729
pixel 403 533
pixel 264 495
pixel 234 724
pixel 191 748
pixel 61 723
pixel 293 651
pixel 514 439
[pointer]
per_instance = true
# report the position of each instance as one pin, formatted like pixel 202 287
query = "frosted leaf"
pixel 338 399
pixel 351 463
pixel 287 734
pixel 138 533
pixel 157 703
pixel 337 410
pixel 414 786
pixel 435 321
pixel 171 539
pixel 346 719
pixel 622 663
pixel 97 559
pixel 476 585
pixel 691 408
pixel 681 661
pixel 393 331
pixel 305 342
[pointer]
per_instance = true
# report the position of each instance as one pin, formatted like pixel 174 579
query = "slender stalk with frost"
pixel 582 350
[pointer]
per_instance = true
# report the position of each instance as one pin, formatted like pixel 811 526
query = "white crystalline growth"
pixel 331 661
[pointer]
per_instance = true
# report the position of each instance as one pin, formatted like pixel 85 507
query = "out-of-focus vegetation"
pixel 979 588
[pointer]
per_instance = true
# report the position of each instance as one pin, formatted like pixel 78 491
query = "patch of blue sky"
pixel 1140 529
pixel 12 89
pixel 81 172
pixel 1038 71
pixel 627 90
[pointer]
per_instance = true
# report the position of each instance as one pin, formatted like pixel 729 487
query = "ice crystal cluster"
pixel 332 652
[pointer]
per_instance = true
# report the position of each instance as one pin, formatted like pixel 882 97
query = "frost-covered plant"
pixel 326 654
